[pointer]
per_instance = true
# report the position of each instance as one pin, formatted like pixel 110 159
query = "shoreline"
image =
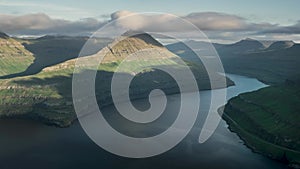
pixel 65 122
pixel 249 138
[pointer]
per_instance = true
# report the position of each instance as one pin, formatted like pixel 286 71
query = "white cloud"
pixel 217 21
pixel 39 23
pixel 147 22
pixel 36 4
pixel 215 25
pixel 205 21
pixel 292 29
pixel 52 8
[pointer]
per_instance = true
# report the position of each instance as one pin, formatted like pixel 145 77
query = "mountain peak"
pixel 145 37
pixel 133 32
pixel 248 39
pixel 130 43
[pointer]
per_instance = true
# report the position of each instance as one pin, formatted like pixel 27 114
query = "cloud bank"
pixel 37 24
pixel 205 21
pixel 217 25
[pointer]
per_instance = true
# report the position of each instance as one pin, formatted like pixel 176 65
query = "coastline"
pixel 260 146
pixel 67 119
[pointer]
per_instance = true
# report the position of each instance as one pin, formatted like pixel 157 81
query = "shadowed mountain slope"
pixel 281 45
pixel 47 95
pixel 251 58
pixel 52 50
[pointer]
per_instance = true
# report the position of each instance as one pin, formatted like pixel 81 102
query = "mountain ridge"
pixel 281 45
pixel 46 96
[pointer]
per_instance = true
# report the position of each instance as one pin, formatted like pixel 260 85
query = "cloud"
pixel 205 21
pixel 292 29
pixel 217 21
pixel 147 22
pixel 215 25
pixel 54 9
pixel 38 5
pixel 36 24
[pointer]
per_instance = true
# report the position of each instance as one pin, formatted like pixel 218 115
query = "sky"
pixel 258 19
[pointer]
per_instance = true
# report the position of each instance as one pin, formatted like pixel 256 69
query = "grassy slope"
pixel 14 57
pixel 268 120
pixel 49 51
pixel 47 96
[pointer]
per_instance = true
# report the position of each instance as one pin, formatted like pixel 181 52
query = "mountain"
pixel 200 48
pixel 50 50
pixel 272 65
pixel 131 43
pixel 46 95
pixel 269 66
pixel 244 46
pixel 281 45
pixel 267 119
pixel 14 57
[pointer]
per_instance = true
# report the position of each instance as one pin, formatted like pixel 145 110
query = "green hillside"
pixel 47 97
pixel 14 57
pixel 268 120
pixel 48 51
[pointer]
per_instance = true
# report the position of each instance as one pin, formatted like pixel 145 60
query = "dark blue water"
pixel 27 144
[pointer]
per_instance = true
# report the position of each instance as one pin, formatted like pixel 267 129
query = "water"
pixel 27 144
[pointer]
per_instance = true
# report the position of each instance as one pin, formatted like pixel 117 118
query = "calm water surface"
pixel 31 145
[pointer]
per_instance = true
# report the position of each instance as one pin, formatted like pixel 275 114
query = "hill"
pixel 51 50
pixel 47 95
pixel 272 65
pixel 281 45
pixel 244 46
pixel 268 120
pixel 14 57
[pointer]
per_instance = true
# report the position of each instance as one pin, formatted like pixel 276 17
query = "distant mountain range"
pixel 241 47
pixel 271 62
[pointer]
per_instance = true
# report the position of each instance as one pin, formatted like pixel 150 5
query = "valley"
pixel 36 75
